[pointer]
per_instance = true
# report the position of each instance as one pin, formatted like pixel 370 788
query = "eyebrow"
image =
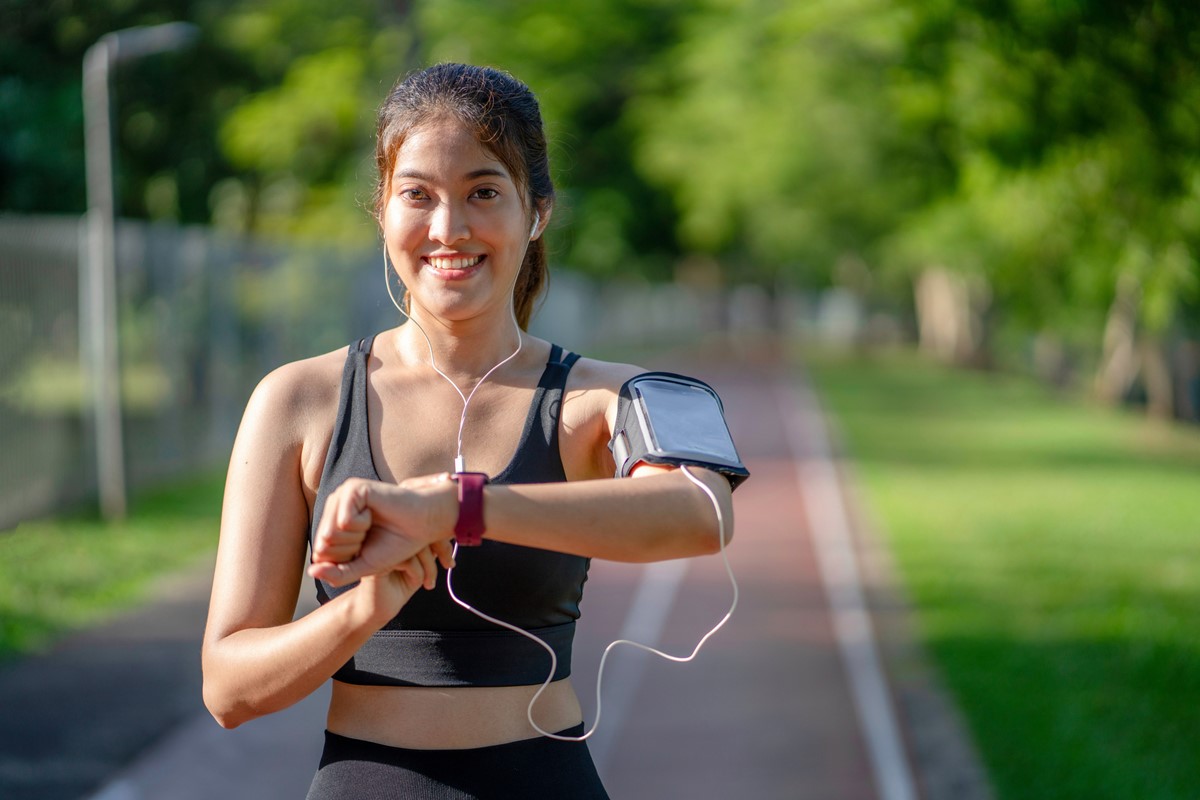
pixel 470 176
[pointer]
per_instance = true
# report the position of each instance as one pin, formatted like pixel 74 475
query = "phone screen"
pixel 686 419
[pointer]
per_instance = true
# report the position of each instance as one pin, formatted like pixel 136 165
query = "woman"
pixel 350 452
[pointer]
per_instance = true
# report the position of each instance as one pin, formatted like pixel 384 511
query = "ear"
pixel 541 219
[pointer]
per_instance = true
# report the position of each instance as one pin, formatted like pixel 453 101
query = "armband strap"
pixel 469 529
pixel 669 419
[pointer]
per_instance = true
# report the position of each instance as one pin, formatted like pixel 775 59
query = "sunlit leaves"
pixel 315 113
pixel 586 61
pixel 770 132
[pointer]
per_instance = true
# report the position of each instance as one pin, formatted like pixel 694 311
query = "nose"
pixel 448 224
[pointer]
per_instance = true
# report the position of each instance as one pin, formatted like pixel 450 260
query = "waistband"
pixel 543 768
pixel 346 744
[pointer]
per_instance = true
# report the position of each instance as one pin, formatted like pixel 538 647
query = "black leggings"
pixel 539 768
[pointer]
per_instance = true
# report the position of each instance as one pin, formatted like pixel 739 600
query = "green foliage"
pixel 251 127
pixel 1072 130
pixel 1047 150
pixel 303 143
pixel 767 122
pixel 586 61
pixel 1049 552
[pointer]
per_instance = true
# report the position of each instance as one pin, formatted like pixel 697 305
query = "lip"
pixel 440 265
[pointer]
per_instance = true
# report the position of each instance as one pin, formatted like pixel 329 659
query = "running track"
pixel 767 710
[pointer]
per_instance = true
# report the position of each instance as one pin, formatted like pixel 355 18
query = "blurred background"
pixel 973 225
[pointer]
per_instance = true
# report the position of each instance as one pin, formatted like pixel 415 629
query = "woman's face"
pixel 454 224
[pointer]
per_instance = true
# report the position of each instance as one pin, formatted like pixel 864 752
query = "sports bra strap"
pixel 563 359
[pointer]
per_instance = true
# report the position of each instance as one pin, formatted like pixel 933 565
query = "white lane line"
pixel 825 509
pixel 644 622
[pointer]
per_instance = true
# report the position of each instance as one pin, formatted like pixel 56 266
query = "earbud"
pixel 533 231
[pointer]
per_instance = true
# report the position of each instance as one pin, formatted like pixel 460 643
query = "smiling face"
pixel 455 224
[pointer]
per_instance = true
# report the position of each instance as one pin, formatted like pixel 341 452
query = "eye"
pixel 413 194
pixel 486 193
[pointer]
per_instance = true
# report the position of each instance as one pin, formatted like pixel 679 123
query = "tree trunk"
pixel 1119 363
pixel 1187 379
pixel 1156 373
pixel 949 317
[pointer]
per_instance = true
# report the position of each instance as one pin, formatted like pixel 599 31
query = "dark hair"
pixel 506 119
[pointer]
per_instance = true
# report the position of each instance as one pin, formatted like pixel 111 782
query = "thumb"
pixel 338 574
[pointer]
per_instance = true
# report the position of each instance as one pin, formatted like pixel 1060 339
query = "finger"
pixel 334 536
pixel 415 568
pixel 444 550
pixel 337 545
pixel 336 553
pixel 354 513
pixel 344 511
pixel 410 582
pixel 429 567
pixel 337 574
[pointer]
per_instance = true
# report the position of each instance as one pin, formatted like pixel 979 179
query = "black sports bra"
pixel 433 641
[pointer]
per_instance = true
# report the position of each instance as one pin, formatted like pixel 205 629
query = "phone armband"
pixel 664 418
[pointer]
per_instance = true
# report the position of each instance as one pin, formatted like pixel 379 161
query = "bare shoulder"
pixel 588 415
pixel 297 389
pixel 292 410
pixel 599 382
pixel 593 372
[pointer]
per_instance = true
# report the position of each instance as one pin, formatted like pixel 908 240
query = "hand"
pixel 389 591
pixel 369 528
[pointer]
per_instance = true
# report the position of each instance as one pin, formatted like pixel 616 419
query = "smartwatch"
pixel 468 530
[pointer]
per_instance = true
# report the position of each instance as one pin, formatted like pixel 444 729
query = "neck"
pixel 465 351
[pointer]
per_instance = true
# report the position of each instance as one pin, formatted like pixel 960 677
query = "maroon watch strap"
pixel 468 531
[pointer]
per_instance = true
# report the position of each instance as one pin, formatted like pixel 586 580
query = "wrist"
pixel 364 612
pixel 441 509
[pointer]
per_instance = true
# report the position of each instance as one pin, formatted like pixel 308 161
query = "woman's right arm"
pixel 256 659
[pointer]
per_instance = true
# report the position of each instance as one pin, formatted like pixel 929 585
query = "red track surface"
pixel 764 711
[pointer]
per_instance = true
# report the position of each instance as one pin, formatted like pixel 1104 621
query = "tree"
pixel 1073 129
pixel 263 125
pixel 770 124
pixel 587 62
pixel 303 143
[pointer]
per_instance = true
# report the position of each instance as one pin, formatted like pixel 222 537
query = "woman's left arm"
pixel 656 514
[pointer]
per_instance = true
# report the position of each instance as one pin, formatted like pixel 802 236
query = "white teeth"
pixel 453 263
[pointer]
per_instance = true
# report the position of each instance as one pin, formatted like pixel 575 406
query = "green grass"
pixel 1051 551
pixel 64 573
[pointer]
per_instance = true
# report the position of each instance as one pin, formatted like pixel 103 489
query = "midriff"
pixel 449 718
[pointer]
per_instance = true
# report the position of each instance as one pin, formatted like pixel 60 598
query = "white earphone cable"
pixel 459 465
pixel 604 657
pixel 459 461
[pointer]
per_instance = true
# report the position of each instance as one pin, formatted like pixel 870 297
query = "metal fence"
pixel 45 455
pixel 200 319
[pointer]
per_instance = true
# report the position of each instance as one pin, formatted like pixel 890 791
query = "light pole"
pixel 99 287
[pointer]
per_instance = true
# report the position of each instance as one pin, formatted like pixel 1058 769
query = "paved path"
pixel 767 710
